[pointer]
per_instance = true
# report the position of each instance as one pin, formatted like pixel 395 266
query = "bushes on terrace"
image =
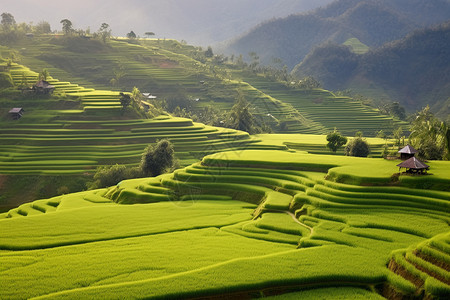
pixel 241 118
pixel 357 147
pixel 158 159
pixel 111 175
pixel 155 161
pixel 335 140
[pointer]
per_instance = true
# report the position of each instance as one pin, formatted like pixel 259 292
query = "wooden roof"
pixel 408 150
pixel 44 84
pixel 413 163
pixel 16 110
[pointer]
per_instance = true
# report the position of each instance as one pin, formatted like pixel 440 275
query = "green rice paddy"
pixel 240 224
pixel 167 68
pixel 245 216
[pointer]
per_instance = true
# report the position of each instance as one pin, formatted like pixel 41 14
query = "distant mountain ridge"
pixel 372 22
pixel 199 22
pixel 414 70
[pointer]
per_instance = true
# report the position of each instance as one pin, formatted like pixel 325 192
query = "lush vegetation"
pixel 372 23
pixel 97 123
pixel 224 212
pixel 413 85
pixel 239 223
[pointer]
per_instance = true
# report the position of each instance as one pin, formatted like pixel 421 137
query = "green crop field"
pixel 244 216
pixel 167 68
pixel 247 223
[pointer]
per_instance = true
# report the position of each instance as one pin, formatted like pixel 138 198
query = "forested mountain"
pixel 414 70
pixel 199 22
pixel 372 22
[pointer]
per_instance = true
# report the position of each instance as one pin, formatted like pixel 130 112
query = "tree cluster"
pixel 429 135
pixel 357 146
pixel 156 159
pixel 335 140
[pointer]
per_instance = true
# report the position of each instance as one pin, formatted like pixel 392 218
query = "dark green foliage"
pixel 67 26
pixel 357 147
pixel 44 74
pixel 209 115
pixel 8 21
pixel 131 35
pixel 332 64
pixel 209 52
pixel 43 27
pixel 111 175
pixel 125 100
pixel 335 140
pixel 429 135
pixel 104 32
pixel 158 159
pixel 308 83
pixel 5 80
pixel 241 118
pixel 372 22
pixel 390 67
pixel 394 109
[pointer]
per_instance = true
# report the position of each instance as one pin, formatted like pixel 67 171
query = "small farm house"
pixel 413 165
pixel 43 87
pixel 407 152
pixel 16 113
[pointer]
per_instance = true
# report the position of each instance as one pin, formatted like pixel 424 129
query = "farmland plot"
pixel 241 224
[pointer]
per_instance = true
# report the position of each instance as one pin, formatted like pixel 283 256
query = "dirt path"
pixel 311 230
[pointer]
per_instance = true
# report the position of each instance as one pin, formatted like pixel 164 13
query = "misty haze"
pixel 198 149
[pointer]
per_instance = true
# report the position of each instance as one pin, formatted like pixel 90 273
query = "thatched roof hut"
pixel 16 113
pixel 43 87
pixel 413 165
pixel 407 152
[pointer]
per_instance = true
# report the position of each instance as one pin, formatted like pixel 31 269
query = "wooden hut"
pixel 43 87
pixel 16 113
pixel 413 165
pixel 407 152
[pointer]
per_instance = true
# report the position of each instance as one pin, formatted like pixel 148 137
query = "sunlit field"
pixel 239 223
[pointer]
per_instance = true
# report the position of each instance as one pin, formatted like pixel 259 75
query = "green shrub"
pixel 5 80
pixel 357 147
pixel 158 159
pixel 111 175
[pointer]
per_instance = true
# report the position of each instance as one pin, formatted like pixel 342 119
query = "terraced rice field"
pixel 238 224
pixel 326 111
pixel 168 69
pixel 53 140
pixel 84 132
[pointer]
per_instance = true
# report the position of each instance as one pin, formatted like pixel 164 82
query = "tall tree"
pixel 429 135
pixel 43 27
pixel 125 100
pixel 357 146
pixel 104 32
pixel 149 33
pixel 240 116
pixel 131 35
pixel 158 159
pixel 209 52
pixel 335 140
pixel 44 74
pixel 8 21
pixel 67 26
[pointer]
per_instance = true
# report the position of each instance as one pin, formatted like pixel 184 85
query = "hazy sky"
pixel 200 22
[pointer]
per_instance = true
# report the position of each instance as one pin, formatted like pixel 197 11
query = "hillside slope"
pixel 414 70
pixel 182 75
pixel 241 224
pixel 200 22
pixel 372 22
